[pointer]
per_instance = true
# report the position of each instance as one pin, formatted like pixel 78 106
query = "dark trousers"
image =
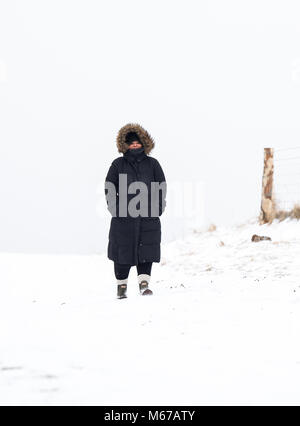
pixel 122 270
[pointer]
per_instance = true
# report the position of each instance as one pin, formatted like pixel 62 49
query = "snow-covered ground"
pixel 223 325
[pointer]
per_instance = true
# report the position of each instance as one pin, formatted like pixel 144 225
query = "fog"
pixel 213 82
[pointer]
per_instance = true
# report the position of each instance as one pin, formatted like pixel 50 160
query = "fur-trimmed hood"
pixel 145 138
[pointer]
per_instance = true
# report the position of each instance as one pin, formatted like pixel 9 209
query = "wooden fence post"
pixel 267 203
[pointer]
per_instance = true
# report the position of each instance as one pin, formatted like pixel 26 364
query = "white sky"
pixel 213 81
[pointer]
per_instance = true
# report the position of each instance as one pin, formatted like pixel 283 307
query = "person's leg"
pixel 121 274
pixel 121 271
pixel 144 268
pixel 144 275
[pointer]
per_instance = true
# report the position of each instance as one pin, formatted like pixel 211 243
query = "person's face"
pixel 135 145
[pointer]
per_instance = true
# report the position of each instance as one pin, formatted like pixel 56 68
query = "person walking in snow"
pixel 135 229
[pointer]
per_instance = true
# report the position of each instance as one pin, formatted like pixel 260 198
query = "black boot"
pixel 144 288
pixel 122 290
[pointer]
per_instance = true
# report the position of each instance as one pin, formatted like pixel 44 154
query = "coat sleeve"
pixel 160 177
pixel 111 189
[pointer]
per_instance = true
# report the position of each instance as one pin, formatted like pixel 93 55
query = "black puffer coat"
pixel 134 240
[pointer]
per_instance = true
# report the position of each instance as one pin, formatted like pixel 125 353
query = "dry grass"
pixel 294 213
pixel 212 227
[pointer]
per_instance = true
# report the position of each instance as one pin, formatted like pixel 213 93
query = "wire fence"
pixel 286 181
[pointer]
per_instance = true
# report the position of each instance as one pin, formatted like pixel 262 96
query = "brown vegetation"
pixel 284 214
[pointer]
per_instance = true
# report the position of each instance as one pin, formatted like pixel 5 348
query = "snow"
pixel 222 327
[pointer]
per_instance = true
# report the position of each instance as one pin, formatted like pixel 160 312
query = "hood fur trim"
pixel 145 138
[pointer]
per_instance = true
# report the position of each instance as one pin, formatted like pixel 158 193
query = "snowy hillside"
pixel 222 327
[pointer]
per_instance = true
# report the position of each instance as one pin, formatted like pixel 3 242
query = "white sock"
pixel 144 277
pixel 122 281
